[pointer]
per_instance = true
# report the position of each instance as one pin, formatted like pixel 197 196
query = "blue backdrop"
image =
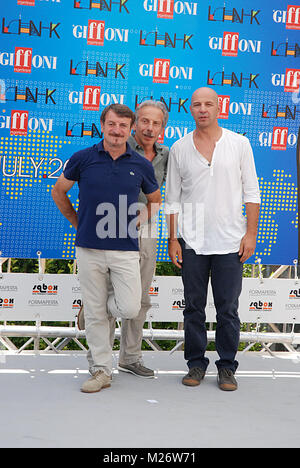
pixel 63 61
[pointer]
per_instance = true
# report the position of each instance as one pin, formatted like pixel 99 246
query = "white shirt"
pixel 209 197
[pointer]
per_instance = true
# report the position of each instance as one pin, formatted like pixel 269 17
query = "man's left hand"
pixel 247 246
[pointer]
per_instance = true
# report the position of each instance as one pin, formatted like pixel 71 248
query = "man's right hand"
pixel 175 252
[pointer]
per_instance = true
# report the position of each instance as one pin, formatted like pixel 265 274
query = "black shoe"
pixel 226 380
pixel 193 377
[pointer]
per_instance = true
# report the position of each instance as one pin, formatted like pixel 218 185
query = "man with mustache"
pixel 110 176
pixel 151 119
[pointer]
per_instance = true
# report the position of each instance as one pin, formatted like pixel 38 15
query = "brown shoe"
pixel 226 380
pixel 98 381
pixel 193 377
pixel 80 319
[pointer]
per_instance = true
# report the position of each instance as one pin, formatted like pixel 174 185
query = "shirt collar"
pixel 134 144
pixel 128 151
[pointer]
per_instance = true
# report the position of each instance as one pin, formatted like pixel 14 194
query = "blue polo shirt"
pixel 108 189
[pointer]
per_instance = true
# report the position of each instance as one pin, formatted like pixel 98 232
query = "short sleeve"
pixel 73 167
pixel 149 184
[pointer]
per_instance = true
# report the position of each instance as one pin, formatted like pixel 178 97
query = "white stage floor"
pixel 42 406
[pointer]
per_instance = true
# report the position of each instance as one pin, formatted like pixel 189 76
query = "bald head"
pixel 203 93
pixel 205 108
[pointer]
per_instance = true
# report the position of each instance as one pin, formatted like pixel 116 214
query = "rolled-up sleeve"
pixel 173 185
pixel 251 192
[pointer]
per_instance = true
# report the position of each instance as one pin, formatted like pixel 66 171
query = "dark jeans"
pixel 226 280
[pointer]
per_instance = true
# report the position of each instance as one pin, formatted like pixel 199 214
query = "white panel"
pixel 58 298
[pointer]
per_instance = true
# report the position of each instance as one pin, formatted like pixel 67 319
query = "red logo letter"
pixel 165 9
pixel 279 139
pixel 23 57
pixel 96 32
pixel 293 17
pixel 161 71
pixel 292 80
pixel 230 44
pixel 91 98
pixel 224 106
pixel 18 122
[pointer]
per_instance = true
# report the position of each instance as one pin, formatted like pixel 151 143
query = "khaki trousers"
pixel 96 268
pixel 132 330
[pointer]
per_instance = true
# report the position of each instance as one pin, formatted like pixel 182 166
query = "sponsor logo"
pixel 80 129
pixel 232 79
pixel 167 8
pixel 169 103
pixel 285 49
pixel 155 39
pixel 32 2
pixel 291 17
pixel 161 137
pixel 42 303
pixel 173 133
pixel 19 122
pixel 276 111
pixel 96 32
pixel 178 305
pixel 266 139
pixel 44 289
pixel 259 306
pixel 230 44
pixel 19 26
pixel 32 95
pixel 294 294
pixel 224 106
pixel 26 2
pixel 177 291
pixel 161 71
pixel 279 139
pixel 6 303
pixel 23 61
pixel 234 108
pixel 262 292
pixel 292 306
pixel 153 291
pixel 77 303
pixel 292 80
pixel 86 68
pixel 233 15
pixel 7 287
pixel 102 5
pixel 23 57
pixel 91 98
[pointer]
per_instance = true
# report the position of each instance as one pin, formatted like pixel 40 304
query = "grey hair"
pixel 152 103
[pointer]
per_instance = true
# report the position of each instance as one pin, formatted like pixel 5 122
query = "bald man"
pixel 211 174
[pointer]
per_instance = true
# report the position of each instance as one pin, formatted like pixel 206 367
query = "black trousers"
pixel 226 273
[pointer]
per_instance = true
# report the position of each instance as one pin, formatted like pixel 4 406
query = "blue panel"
pixel 52 51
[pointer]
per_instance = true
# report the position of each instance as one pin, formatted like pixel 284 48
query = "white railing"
pixel 271 303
